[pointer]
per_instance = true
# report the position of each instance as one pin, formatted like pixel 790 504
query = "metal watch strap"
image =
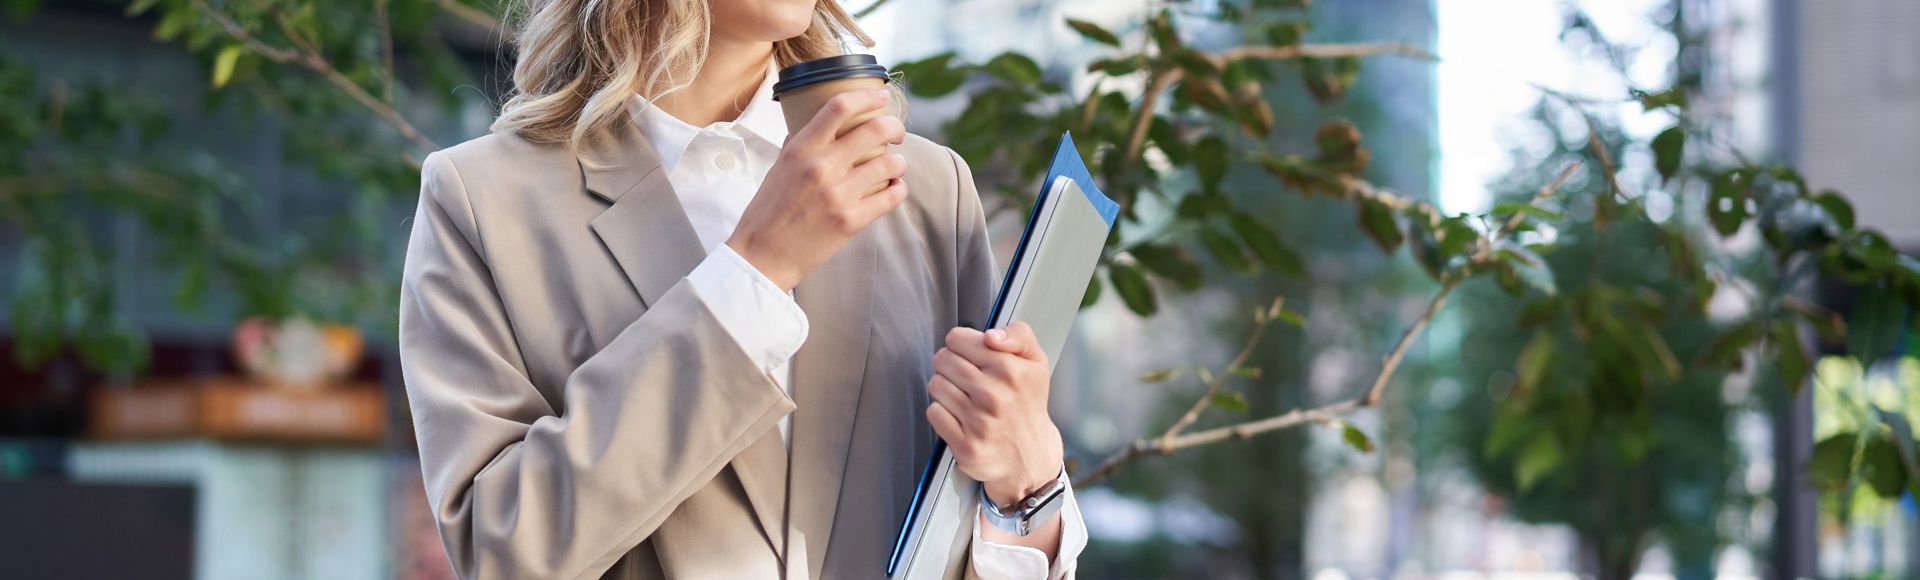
pixel 1031 511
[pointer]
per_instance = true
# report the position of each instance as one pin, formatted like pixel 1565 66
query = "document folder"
pixel 1044 285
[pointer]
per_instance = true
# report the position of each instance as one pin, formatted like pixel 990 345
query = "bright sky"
pixel 1490 50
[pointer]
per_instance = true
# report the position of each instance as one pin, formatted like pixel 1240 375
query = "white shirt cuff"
pixel 761 318
pixel 996 561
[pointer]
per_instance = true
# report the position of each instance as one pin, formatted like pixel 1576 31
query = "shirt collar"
pixel 671 136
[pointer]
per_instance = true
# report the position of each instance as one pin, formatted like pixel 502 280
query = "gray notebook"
pixel 1043 287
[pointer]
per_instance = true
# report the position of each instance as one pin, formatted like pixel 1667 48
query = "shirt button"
pixel 725 161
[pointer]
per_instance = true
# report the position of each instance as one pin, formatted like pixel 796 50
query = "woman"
pixel 648 333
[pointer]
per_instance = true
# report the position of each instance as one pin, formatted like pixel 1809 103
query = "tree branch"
pixel 1163 77
pixel 863 13
pixel 385 31
pixel 1215 381
pixel 1322 51
pixel 474 16
pixel 1173 440
pixel 311 59
pixel 1137 137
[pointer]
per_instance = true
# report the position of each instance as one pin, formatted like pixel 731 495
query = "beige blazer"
pixel 581 413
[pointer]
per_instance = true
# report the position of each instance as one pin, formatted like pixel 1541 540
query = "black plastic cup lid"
pixel 832 68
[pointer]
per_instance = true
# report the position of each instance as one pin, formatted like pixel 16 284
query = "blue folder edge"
pixel 1066 163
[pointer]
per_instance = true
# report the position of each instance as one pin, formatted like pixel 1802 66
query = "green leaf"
pixel 1015 68
pixel 1170 262
pixel 1289 316
pixel 1535 359
pixel 139 7
pixel 1725 347
pixel 1881 468
pixel 1875 325
pixel 1669 147
pixel 1727 201
pixel 1196 63
pixel 1529 267
pixel 1827 324
pixel 1356 438
pixel 1118 66
pixel 1509 429
pixel 1133 288
pixel 1250 373
pixel 1094 32
pixel 1831 466
pixel 1168 140
pixel 1791 355
pixel 1210 161
pixel 223 64
pixel 1506 210
pixel 1225 250
pixel 1200 205
pixel 933 76
pixel 1265 245
pixel 1673 98
pixel 1539 458
pixel 1837 207
pixel 1286 32
pixel 1161 376
pixel 1662 353
pixel 1230 401
pixel 1380 224
pixel 1093 292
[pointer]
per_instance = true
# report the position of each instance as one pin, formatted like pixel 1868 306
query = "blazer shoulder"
pixel 505 151
pixel 938 180
pixel 496 164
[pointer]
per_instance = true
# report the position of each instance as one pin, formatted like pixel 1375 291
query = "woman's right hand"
pixel 815 197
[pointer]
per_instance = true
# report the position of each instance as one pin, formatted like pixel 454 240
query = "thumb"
pixel 1018 339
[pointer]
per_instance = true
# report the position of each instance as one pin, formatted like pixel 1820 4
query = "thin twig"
pixel 1216 381
pixel 1322 51
pixel 864 12
pixel 473 15
pixel 1173 441
pixel 385 30
pixel 313 61
pixel 1091 105
pixel 1137 137
pixel 1163 78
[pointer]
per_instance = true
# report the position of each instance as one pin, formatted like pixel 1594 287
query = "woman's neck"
pixel 726 83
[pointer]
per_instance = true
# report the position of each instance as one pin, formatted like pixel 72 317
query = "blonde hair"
pixel 581 60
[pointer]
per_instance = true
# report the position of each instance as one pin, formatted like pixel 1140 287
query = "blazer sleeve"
pixel 520 489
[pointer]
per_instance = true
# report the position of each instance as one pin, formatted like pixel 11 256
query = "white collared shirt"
pixel 715 171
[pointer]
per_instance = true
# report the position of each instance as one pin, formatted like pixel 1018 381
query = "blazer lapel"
pixel 828 374
pixel 647 232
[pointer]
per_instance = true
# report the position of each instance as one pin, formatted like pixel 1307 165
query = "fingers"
pixel 1017 339
pixel 878 170
pixel 970 345
pixel 870 135
pixel 885 200
pixel 826 123
pixel 956 368
pixel 945 424
pixel 950 397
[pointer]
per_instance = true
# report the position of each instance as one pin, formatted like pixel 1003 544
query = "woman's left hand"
pixel 990 406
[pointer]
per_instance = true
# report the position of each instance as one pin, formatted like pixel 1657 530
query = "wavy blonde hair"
pixel 579 61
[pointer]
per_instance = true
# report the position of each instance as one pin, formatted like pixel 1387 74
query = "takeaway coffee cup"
pixel 804 88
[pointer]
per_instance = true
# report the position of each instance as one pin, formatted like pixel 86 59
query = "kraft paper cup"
pixel 803 88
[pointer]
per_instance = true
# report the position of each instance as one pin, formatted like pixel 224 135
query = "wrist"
pixel 1035 476
pixel 745 247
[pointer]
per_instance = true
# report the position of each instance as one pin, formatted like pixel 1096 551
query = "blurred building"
pixel 1848 86
pixel 1845 92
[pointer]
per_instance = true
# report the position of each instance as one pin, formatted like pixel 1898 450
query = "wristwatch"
pixel 1030 512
